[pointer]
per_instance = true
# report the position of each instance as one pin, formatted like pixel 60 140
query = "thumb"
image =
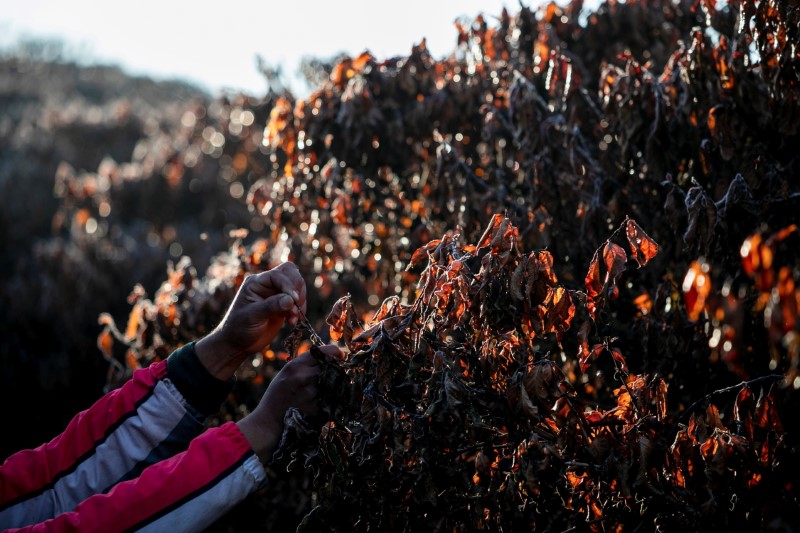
pixel 328 354
pixel 332 353
pixel 277 305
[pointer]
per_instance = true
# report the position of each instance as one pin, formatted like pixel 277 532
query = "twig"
pixel 576 465
pixel 688 411
pixel 315 339
pixel 579 416
pixel 478 446
pixel 771 377
pixel 595 521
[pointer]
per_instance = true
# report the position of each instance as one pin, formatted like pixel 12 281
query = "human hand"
pixel 294 386
pixel 258 311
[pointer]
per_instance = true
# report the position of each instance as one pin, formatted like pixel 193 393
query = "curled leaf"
pixel 343 322
pixel 603 272
pixel 643 247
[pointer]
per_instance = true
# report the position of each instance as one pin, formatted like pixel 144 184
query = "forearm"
pixel 185 493
pixel 148 419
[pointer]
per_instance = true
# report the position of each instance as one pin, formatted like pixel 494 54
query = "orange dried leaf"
pixel 593 284
pixel 643 303
pixel 134 320
pixel 601 278
pixel 337 317
pixel 105 342
pixel 643 247
pixel 781 235
pixel 491 231
pixel 751 260
pixel 584 353
pixel 421 253
pixel 619 359
pixel 614 258
pixel 575 479
pixel 82 216
pixel 696 288
pixel 132 362
pixel 343 322
pixel 362 61
pixel 661 400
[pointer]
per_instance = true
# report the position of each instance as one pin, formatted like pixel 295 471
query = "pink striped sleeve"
pixel 184 493
pixel 28 471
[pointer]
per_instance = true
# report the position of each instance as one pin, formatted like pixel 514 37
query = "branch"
pixel 687 412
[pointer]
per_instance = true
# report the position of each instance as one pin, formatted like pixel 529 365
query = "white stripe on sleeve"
pixel 121 451
pixel 205 507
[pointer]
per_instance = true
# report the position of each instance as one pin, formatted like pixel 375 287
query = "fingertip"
pixel 333 351
pixel 288 264
pixel 286 302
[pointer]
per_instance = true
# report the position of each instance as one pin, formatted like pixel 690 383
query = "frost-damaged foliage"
pixel 523 378
pixel 448 415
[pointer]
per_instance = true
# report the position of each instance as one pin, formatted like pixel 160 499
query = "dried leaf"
pixel 643 247
pixel 696 289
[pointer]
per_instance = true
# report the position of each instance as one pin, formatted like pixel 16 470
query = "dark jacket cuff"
pixel 203 391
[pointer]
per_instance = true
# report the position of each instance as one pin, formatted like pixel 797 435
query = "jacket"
pixel 123 464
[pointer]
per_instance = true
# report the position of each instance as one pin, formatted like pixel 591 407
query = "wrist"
pixel 262 437
pixel 217 356
pixel 200 388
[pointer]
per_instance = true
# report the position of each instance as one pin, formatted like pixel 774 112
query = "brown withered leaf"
pixel 421 254
pixel 702 213
pixel 495 227
pixel 619 359
pixel 105 342
pixel 602 275
pixel 766 413
pixel 293 340
pixel 614 258
pixel 388 308
pixel 343 322
pixel 743 411
pixel 643 247
pixel 696 289
pixel 584 352
pixel 518 397
pixel 559 312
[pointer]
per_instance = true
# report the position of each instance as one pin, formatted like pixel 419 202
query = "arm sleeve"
pixel 148 419
pixel 187 492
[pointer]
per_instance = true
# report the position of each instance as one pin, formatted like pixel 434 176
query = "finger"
pixel 299 310
pixel 287 265
pixel 296 279
pixel 303 296
pixel 276 305
pixel 266 284
pixel 289 269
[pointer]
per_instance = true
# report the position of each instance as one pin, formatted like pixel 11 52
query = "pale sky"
pixel 214 44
